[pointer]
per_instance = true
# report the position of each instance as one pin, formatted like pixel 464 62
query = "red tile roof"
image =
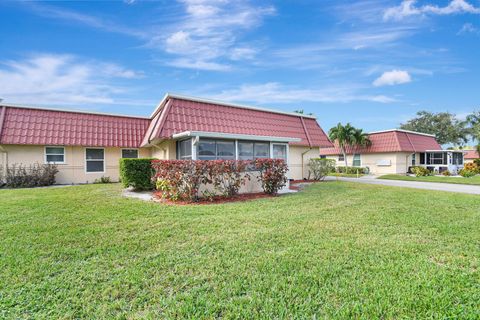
pixel 471 154
pixel 22 125
pixel 391 141
pixel 180 114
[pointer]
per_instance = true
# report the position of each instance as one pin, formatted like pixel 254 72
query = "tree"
pixel 474 122
pixel 348 136
pixel 444 125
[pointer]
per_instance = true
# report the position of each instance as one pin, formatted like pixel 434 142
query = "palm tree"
pixel 348 136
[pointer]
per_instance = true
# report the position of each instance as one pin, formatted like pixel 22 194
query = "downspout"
pixel 309 144
pixel 2 149
pixel 414 150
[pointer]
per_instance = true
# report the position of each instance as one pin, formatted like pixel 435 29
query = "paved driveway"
pixel 460 188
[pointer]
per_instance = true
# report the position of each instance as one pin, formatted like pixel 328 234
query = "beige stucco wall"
pixel 399 162
pixel 295 163
pixel 165 150
pixel 73 171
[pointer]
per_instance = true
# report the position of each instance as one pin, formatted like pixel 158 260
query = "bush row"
pixel 35 175
pixel 469 170
pixel 182 179
pixel 351 170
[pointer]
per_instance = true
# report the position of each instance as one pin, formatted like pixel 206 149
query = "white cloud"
pixel 207 33
pixel 274 92
pixel 391 78
pixel 468 28
pixel 408 8
pixel 60 80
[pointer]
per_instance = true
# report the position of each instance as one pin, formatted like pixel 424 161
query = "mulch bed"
pixel 215 200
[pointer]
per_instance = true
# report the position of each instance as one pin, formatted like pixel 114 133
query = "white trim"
pixel 104 160
pixel 223 103
pixel 220 135
pixel 56 154
pixel 138 152
pixel 401 130
pixel 12 105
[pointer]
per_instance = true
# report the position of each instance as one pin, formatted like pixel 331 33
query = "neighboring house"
pixel 470 155
pixel 395 151
pixel 88 145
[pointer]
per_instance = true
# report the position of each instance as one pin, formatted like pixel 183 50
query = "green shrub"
pixel 420 171
pixel 472 167
pixel 446 173
pixel 351 170
pixel 477 162
pixel 35 175
pixel 103 179
pixel 320 168
pixel 137 173
pixel 467 173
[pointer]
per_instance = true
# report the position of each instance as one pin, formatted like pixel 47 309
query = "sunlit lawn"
pixel 456 180
pixel 336 250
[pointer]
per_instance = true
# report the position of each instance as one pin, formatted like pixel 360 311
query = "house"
pixel 470 155
pixel 86 145
pixel 395 151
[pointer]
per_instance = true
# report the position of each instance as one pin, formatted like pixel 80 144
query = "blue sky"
pixel 371 63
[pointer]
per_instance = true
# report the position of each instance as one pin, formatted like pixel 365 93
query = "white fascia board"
pixel 220 135
pixel 401 130
pixel 227 104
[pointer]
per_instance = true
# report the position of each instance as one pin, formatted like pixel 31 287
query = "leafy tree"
pixel 348 136
pixel 474 122
pixel 444 125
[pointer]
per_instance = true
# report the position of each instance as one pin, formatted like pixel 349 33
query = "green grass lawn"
pixel 335 250
pixel 456 180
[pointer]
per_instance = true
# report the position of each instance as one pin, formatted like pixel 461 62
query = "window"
pixel 213 150
pixel 130 153
pixel 252 150
pixel 341 157
pixel 184 149
pixel 414 159
pixel 55 155
pixel 323 157
pixel 438 158
pixel 457 158
pixel 261 150
pixel 245 150
pixel 279 151
pixel 422 158
pixel 95 160
pixel 356 160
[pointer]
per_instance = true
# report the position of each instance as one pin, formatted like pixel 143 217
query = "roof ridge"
pixel 11 105
pixel 226 104
pixel 402 130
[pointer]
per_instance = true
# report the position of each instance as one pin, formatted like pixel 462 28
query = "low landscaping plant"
pixel 467 173
pixel 351 170
pixel 320 168
pixel 103 179
pixel 137 173
pixel 227 176
pixel 36 175
pixel 420 171
pixel 446 173
pixel 273 174
pixel 472 167
pixel 477 162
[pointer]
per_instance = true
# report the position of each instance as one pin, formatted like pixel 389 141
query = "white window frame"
pixel 104 160
pixel 279 144
pixel 56 154
pixel 359 157
pixel 121 152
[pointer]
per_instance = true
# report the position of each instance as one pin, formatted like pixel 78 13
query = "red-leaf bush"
pixel 181 179
pixel 273 174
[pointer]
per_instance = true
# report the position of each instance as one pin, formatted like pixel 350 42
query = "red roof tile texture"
pixel 180 115
pixel 471 154
pixel 391 141
pixel 48 127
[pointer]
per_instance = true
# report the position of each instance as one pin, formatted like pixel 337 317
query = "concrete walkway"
pixel 449 187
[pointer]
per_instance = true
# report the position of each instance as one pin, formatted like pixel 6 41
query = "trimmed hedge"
pixel 35 175
pixel 137 173
pixel 320 168
pixel 351 170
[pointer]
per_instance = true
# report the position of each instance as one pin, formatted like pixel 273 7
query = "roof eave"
pixel 205 134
